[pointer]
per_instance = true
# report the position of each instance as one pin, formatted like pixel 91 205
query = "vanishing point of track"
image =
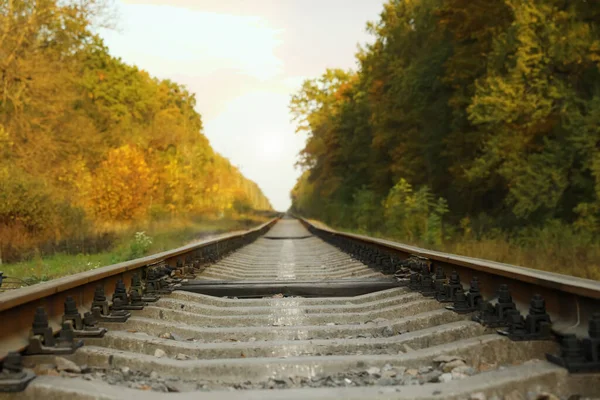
pixel 294 310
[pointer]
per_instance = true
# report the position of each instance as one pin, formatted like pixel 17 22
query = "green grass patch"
pixel 151 238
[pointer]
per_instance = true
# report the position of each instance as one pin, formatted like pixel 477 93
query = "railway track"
pixel 294 310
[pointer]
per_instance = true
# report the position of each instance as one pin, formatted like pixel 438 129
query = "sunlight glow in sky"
pixel 243 60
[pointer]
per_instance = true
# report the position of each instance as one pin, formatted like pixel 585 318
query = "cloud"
pixel 175 40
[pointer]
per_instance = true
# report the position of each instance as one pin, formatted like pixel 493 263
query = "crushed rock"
pixel 447 358
pixel 364 375
pixel 62 364
pixel 448 367
pixel 464 369
pixel 388 331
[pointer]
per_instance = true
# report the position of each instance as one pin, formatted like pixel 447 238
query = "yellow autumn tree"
pixel 89 143
pixel 122 186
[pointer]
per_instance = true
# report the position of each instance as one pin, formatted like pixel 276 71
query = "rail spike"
pixel 496 316
pixel 13 377
pixel 122 301
pixel 427 282
pixel 156 284
pixel 580 355
pixel 42 340
pixel 103 312
pixel 402 273
pixel 414 280
pixel 537 325
pixel 467 302
pixel 82 327
pixel 449 291
pixel 136 284
pixel 439 279
pixel 137 287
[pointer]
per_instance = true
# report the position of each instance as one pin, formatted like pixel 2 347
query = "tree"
pixel 490 106
pixel 121 187
pixel 102 142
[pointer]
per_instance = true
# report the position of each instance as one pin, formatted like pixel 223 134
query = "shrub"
pixel 140 245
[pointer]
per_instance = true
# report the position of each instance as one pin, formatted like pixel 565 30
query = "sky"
pixel 244 59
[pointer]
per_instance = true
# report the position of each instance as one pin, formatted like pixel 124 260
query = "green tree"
pixel 491 107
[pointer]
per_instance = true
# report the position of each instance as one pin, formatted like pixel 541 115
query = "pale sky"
pixel 244 59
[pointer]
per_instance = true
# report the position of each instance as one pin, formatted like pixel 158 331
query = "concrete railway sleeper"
pixel 295 310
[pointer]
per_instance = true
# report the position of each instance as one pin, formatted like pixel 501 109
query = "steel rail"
pixel 571 301
pixel 17 307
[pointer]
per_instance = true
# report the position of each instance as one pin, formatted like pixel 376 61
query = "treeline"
pixel 466 117
pixel 89 143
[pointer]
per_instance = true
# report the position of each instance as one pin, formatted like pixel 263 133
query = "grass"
pixel 55 266
pixel 164 235
pixel 576 261
pixel 568 256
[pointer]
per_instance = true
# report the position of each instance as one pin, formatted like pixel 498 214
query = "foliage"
pixel 165 235
pixel 414 215
pixel 121 187
pixel 491 107
pixel 139 245
pixel 89 143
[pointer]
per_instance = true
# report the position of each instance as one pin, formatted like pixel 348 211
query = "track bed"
pixel 387 343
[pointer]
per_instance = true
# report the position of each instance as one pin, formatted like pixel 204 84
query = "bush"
pixel 415 215
pixel 140 245
pixel 366 210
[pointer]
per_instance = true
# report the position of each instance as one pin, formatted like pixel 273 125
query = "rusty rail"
pixel 17 307
pixel 570 301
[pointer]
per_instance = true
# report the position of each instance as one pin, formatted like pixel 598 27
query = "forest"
pixel 89 144
pixel 470 126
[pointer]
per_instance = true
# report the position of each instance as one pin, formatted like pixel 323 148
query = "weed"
pixel 139 245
